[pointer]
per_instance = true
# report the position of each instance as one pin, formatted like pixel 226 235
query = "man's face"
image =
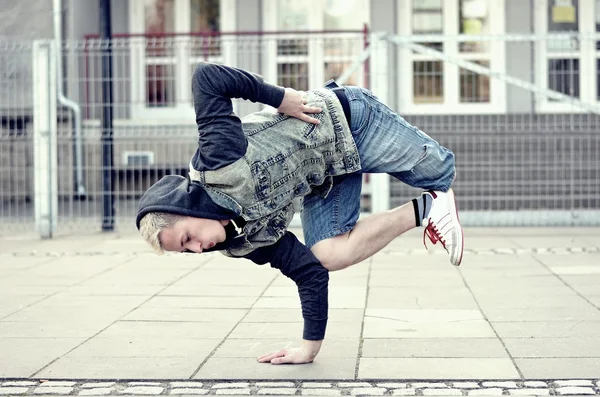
pixel 193 234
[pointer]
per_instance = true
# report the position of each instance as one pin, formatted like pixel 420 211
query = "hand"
pixel 298 355
pixel 294 105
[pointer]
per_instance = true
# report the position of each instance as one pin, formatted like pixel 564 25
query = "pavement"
pixel 99 314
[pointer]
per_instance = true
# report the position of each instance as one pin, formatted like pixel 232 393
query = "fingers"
pixel 308 119
pixel 282 360
pixel 310 109
pixel 269 357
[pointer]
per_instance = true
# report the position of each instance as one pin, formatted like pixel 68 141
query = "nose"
pixel 194 247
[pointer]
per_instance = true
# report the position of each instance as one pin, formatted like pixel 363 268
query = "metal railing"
pixel 523 157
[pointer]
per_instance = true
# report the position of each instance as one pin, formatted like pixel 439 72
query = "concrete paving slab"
pixel 112 290
pixel 20 278
pixel 524 314
pixel 507 291
pixel 474 272
pixel 72 267
pixel 120 368
pixel 7 272
pixel 65 299
pixel 253 276
pixel 146 346
pixel 398 271
pixel 15 290
pixel 575 270
pixel 585 290
pixel 51 329
pixel 432 348
pixel 21 357
pixel 276 302
pixel 249 368
pixel 549 241
pixel 293 315
pixel 416 280
pixel 579 259
pixel 213 290
pixel 159 329
pixel 581 279
pixel 292 330
pixel 19 263
pixel 531 301
pixel 254 348
pixel 523 282
pixel 14 303
pixel 582 347
pixel 183 314
pixel 164 262
pixel 206 302
pixel 37 313
pixel 391 298
pixel 119 276
pixel 424 315
pixel 547 329
pixel 594 299
pixel 502 262
pixel 437 368
pixel 559 368
pixel 386 328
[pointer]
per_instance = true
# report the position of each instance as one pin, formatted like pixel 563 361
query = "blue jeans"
pixel 386 144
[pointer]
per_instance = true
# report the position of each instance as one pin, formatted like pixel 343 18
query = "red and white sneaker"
pixel 442 225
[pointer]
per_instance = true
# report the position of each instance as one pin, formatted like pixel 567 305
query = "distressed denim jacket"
pixel 286 158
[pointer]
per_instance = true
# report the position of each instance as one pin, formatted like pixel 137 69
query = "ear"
pixel 225 222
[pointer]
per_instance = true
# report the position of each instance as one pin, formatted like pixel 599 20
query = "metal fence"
pixel 525 156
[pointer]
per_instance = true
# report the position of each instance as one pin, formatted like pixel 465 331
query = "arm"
pixel 298 263
pixel 213 87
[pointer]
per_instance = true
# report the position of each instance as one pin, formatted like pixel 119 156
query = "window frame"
pixel 451 103
pixel 182 59
pixel 316 74
pixel 587 55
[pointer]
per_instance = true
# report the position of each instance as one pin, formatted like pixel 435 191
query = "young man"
pixel 245 174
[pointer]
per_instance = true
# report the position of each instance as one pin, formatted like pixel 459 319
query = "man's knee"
pixel 328 253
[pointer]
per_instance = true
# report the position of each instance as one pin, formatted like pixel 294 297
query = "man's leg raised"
pixel 368 237
pixel 336 236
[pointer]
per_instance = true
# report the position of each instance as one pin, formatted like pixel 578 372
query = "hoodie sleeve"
pixel 213 87
pixel 296 261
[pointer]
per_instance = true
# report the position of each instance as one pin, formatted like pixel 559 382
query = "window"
pixel 568 64
pixel 169 38
pixel 428 84
pixel 307 60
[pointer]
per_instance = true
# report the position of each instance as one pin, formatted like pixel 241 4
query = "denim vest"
pixel 286 158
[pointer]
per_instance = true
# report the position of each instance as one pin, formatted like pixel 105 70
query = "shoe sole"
pixel 460 235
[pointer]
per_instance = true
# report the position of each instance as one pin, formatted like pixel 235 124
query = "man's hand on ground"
pixel 294 105
pixel 298 355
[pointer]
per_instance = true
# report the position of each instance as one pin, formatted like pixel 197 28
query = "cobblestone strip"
pixel 562 387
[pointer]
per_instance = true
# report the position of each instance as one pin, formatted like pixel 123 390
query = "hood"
pixel 176 194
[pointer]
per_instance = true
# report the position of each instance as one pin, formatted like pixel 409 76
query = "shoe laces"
pixel 434 234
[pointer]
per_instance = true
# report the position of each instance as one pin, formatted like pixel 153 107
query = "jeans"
pixel 386 144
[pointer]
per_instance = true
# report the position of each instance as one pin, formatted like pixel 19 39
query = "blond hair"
pixel 152 224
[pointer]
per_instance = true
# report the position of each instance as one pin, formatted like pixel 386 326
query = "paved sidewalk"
pixel 524 306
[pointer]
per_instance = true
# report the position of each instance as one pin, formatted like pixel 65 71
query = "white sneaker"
pixel 442 225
